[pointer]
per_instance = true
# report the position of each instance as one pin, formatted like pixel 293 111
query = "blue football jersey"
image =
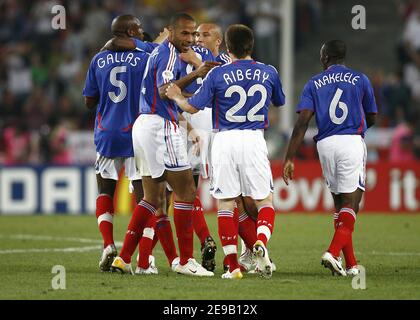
pixel 340 98
pixel 115 78
pixel 162 67
pixel 223 58
pixel 240 94
pixel 204 55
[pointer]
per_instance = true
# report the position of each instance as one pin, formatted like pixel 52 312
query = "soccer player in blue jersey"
pixel 240 94
pixel 159 149
pixel 112 84
pixel 210 36
pixel 343 102
pixel 201 124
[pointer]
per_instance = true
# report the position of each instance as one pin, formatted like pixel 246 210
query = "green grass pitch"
pixel 388 246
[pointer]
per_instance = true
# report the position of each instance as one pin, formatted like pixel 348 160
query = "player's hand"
pixel 173 91
pixel 163 35
pixel 194 136
pixel 190 57
pixel 205 67
pixel 288 171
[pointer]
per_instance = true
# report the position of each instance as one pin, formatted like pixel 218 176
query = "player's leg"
pixel 257 182
pixel 143 218
pixel 247 231
pixel 182 183
pixel 147 140
pixel 105 217
pixel 353 200
pixel 164 234
pixel 348 182
pixel 228 233
pixel 208 245
pixel 107 171
pixel 265 227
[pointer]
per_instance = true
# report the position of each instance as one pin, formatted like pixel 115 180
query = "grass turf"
pixel 387 246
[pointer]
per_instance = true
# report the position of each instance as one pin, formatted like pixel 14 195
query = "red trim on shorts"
pixel 154 92
pixel 217 114
pixel 362 123
pixel 100 122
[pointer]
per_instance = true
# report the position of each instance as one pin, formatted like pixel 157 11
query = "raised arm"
pixel 182 83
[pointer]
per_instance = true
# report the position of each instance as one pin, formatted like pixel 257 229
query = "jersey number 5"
pixel 117 83
pixel 337 103
pixel 251 115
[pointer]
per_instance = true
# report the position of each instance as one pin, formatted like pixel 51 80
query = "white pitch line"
pixel 394 253
pixel 64 250
pixel 50 238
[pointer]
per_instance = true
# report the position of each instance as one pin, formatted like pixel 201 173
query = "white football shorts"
pixel 343 162
pixel 158 146
pixel 240 165
pixel 109 168
pixel 202 124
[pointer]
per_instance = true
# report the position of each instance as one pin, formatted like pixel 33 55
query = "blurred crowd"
pixel 42 70
pixel 398 94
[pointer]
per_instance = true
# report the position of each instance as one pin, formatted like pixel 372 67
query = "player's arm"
pixel 368 102
pixel 182 83
pixel 91 102
pixel 174 93
pixel 127 44
pixel 192 134
pixel 296 140
pixel 191 58
pixel 370 119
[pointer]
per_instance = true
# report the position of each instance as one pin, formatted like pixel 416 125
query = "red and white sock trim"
pixel 225 213
pixel 108 217
pixel 348 210
pixel 230 249
pixel 148 206
pixel 183 206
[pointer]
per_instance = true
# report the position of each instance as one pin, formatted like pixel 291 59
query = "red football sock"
pixel 343 232
pixel 265 223
pixel 199 222
pixel 166 238
pixel 105 215
pixel 236 217
pixel 247 230
pixel 228 234
pixel 183 212
pixel 146 242
pixel 141 215
pixel 348 250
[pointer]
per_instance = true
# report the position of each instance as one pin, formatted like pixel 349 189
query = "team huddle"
pixel 175 109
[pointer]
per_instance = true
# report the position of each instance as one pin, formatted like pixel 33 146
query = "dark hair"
pixel 147 37
pixel 336 50
pixel 239 40
pixel 180 16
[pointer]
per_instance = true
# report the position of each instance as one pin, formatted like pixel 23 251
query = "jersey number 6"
pixel 333 107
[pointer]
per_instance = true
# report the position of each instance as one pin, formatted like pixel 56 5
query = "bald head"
pixel 333 52
pixel 127 25
pixel 210 36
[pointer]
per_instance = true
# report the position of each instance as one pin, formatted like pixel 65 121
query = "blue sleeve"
pixel 277 98
pixel 144 46
pixel 306 100
pixel 204 96
pixel 368 102
pixel 91 88
pixel 167 67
